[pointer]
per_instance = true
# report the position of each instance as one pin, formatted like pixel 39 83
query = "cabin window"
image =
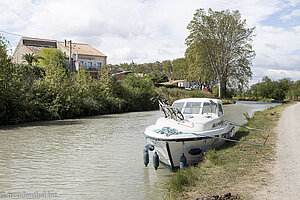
pixel 220 109
pixel 179 106
pixel 192 108
pixel 206 108
pixel 209 108
pixel 213 108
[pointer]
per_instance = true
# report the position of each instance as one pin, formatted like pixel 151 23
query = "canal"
pixel 89 158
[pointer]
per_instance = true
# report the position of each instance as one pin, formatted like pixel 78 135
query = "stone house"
pixel 83 56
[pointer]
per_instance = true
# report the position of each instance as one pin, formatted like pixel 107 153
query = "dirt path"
pixel 286 171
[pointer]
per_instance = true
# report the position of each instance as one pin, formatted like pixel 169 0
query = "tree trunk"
pixel 222 87
pixel 219 83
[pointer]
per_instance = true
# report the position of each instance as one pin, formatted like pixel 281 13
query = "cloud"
pixel 277 49
pixel 147 31
pixel 279 74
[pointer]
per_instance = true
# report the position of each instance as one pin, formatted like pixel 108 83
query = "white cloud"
pixel 146 31
pixel 274 47
pixel 279 74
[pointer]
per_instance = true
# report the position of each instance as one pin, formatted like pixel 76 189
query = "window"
pixel 90 64
pixel 192 108
pixel 220 109
pixel 179 106
pixel 206 108
pixel 209 108
pixel 99 64
pixel 80 63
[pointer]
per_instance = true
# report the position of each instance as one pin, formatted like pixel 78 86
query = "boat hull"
pixel 171 148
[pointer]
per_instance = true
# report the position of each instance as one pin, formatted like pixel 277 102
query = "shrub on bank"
pixel 138 93
pixel 57 94
pixel 173 94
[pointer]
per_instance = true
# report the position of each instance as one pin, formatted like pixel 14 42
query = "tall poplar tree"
pixel 219 45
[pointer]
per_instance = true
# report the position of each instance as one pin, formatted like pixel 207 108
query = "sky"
pixel 155 30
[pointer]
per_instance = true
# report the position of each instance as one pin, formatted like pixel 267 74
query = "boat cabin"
pixel 199 106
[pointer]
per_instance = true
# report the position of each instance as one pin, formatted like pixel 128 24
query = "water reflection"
pixel 89 158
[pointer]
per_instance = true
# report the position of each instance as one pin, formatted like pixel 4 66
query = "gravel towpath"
pixel 286 171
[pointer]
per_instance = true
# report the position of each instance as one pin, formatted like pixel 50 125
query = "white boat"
pixel 190 127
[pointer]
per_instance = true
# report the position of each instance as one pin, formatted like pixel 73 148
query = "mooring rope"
pixel 172 131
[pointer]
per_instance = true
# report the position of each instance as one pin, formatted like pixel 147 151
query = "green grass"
pixel 233 166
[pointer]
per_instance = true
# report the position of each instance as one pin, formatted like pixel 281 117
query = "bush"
pixel 138 93
pixel 173 94
pixel 57 95
pixel 48 91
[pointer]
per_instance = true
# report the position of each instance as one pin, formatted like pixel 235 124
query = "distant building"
pixel 83 56
pixel 184 84
pixel 31 45
pixel 178 83
pixel 119 73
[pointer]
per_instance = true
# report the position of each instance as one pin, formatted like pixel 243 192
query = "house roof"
pixel 35 44
pixel 38 39
pixel 83 49
pixel 172 82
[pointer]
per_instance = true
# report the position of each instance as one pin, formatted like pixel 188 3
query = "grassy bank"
pixel 237 168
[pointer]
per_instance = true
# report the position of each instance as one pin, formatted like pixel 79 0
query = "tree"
pixel 30 58
pixel 294 91
pixel 4 58
pixel 198 70
pixel 51 57
pixel 138 93
pixel 220 45
pixel 168 68
pixel 180 68
pixel 15 88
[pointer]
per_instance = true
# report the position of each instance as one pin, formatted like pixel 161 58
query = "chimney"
pixel 65 43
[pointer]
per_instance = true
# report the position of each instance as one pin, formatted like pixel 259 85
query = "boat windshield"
pixel 192 108
pixel 179 106
pixel 209 108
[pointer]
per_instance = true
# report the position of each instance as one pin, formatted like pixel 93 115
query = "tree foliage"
pixel 57 94
pixel 30 58
pixel 294 91
pixel 51 57
pixel 219 45
pixel 138 91
pixel 270 89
